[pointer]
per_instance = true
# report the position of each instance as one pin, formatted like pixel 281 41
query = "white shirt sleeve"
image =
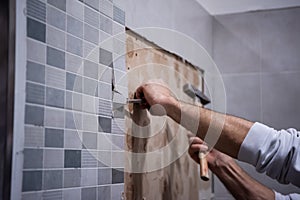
pixel 293 196
pixel 275 152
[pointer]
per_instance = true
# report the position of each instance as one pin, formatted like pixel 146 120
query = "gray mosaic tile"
pixel 32 196
pixel 54 138
pixel 33 158
pixel 36 51
pixel 74 82
pixel 104 142
pixel 73 120
pixel 74 63
pixel 104 159
pixel 117 175
pixel 105 108
pixel 56 38
pixel 89 193
pixel 92 3
pixel 89 104
pixel 91 34
pixel 56 18
pixel 89 140
pixel 119 31
pixel 74 45
pixel 119 15
pixel 88 177
pixel 53 195
pixel 54 118
pixel 120 63
pixel 34 115
pixel 119 159
pixel 105 74
pixel 75 8
pixel 118 142
pixel 74 26
pixel 105 57
pixel 36 9
pixel 89 122
pixel 55 77
pixel 73 139
pixel 72 158
pixel 35 93
pixel 90 86
pixel 106 24
pixel 35 72
pixel 104 124
pixel 118 126
pixel 72 194
pixel 74 102
pixel 90 69
pixel 119 47
pixel 52 179
pixel 32 181
pixel 60 4
pixel 106 8
pixel 53 158
pixel 55 58
pixel 88 159
pixel 117 192
pixel 104 176
pixel 72 178
pixel 34 136
pixel 104 192
pixel 36 30
pixel 91 17
pixel 55 97
pixel 105 91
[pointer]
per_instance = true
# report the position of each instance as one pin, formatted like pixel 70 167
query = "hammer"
pixel 193 92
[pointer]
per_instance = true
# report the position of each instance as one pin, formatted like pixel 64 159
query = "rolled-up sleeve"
pixel 274 152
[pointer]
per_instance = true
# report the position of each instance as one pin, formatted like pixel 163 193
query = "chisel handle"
pixel 203 167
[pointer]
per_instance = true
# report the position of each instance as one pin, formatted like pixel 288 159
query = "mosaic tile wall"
pixel 73 146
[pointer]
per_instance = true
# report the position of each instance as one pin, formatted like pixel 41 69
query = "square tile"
pixel 105 91
pixel 104 176
pixel 32 196
pixel 89 122
pixel 119 15
pixel 35 93
pixel 60 4
pixel 73 139
pixel 36 9
pixel 55 58
pixel 74 63
pixel 35 72
pixel 74 26
pixel 104 142
pixel 73 120
pixel 105 57
pixel 53 158
pixel 72 178
pixel 72 158
pixel 90 86
pixel 89 104
pixel 92 3
pixel 36 51
pixel 118 126
pixel 50 195
pixel 32 181
pixel 55 97
pixel 91 17
pixel 88 177
pixel 34 115
pixel 75 8
pixel 105 108
pixel 90 69
pixel 34 136
pixel 89 140
pixel 74 102
pixel 89 193
pixel 105 74
pixel 91 34
pixel 52 179
pixel 117 192
pixel 33 158
pixel 104 124
pixel 54 118
pixel 106 8
pixel 118 142
pixel 104 192
pixel 104 159
pixel 119 159
pixel 72 194
pixel 36 30
pixel 56 37
pixel 54 138
pixel 89 159
pixel 106 24
pixel 56 18
pixel 117 175
pixel 74 82
pixel 55 77
pixel 74 45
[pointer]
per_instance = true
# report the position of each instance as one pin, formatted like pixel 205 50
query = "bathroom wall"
pixel 258 56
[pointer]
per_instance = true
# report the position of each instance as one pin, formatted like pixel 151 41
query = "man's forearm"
pixel 199 120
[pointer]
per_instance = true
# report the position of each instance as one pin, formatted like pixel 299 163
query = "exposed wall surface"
pixel 258 56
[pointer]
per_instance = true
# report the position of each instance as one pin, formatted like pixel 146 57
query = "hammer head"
pixel 194 92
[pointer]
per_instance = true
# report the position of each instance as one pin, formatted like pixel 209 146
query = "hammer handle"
pixel 203 167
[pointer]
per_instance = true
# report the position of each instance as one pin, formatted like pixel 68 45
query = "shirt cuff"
pixel 254 140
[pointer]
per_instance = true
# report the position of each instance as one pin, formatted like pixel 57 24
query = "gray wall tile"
pixel 61 4
pixel 105 108
pixel 91 34
pixel 89 104
pixel 56 18
pixel 32 196
pixel 90 69
pixel 74 82
pixel 91 17
pixel 106 8
pixel 72 178
pixel 105 91
pixel 118 126
pixel 34 136
pixel 35 72
pixel 32 181
pixel 117 191
pixel 34 115
pixel 118 142
pixel 119 15
pixel 89 122
pixel 36 9
pixel 33 158
pixel 117 175
pixel 55 57
pixel 74 102
pixel 104 176
pixel 104 192
pixel 73 120
pixel 89 193
pixel 75 8
pixel 104 124
pixel 55 97
pixel 90 86
pixel 54 138
pixel 88 177
pixel 53 158
pixel 106 24
pixel 74 45
pixel 54 118
pixel 72 194
pixel 104 158
pixel 92 3
pixel 73 139
pixel 105 74
pixel 74 26
pixel 119 159
pixel 72 158
pixel 36 51
pixel 52 179
pixel 88 159
pixel 56 37
pixel 50 195
pixel 89 140
pixel 104 141
pixel 35 93
pixel 74 63
pixel 55 77
pixel 36 30
pixel 105 57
